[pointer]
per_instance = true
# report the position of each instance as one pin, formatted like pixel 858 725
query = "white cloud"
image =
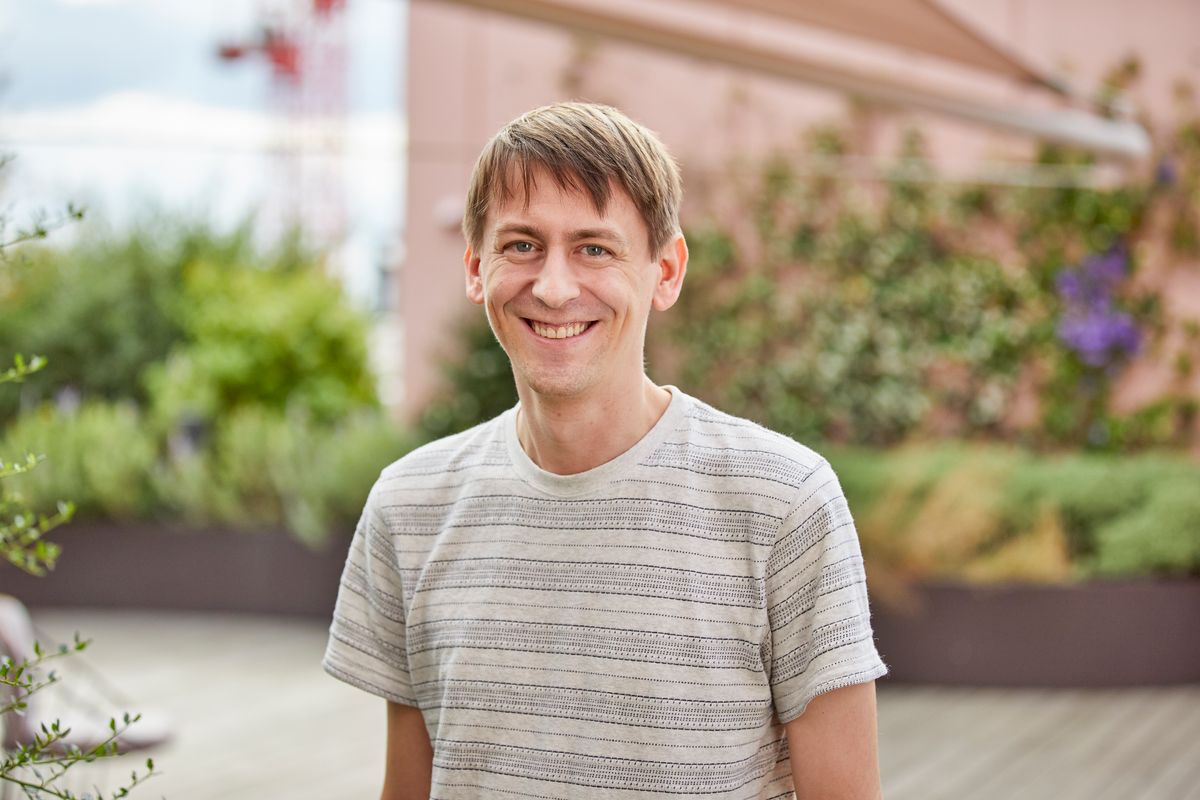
pixel 182 11
pixel 129 150
pixel 140 119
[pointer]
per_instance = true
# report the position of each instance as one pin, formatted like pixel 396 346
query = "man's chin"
pixel 558 386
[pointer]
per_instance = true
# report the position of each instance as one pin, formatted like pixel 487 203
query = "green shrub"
pixel 997 513
pixel 190 321
pixel 877 321
pixel 257 470
pixel 326 476
pixel 105 307
pixel 1161 536
pixel 280 339
pixel 264 470
pixel 258 348
pixel 99 456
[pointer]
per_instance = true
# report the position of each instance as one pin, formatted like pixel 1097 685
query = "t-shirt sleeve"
pixel 367 637
pixel 820 623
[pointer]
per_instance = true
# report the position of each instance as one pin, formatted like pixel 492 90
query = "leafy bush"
pixel 258 470
pixel 264 470
pixel 847 316
pixel 994 513
pixel 280 339
pixel 99 456
pixel 172 329
pixel 103 308
pixel 21 528
pixel 858 343
pixel 1161 536
pixel 193 322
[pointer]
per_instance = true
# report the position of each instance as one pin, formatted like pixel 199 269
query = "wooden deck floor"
pixel 257 719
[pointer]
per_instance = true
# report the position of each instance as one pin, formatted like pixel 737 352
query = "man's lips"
pixel 558 330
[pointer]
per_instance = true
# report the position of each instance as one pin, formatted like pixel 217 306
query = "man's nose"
pixel 556 284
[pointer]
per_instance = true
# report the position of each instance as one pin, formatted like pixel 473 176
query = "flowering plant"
pixel 1093 326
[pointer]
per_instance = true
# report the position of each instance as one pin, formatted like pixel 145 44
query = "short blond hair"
pixel 586 147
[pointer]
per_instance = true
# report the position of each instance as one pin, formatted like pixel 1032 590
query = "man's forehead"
pixel 512 200
pixel 521 181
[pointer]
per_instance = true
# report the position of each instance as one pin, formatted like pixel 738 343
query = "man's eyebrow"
pixel 518 227
pixel 523 229
pixel 609 234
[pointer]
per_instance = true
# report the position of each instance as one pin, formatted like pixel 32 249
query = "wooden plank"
pixel 1084 744
pixel 1144 749
pixel 962 738
pixel 1178 775
pixel 1011 756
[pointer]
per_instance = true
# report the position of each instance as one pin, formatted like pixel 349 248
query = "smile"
pixel 564 331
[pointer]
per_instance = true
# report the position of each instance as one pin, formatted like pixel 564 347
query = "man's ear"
pixel 474 278
pixel 672 266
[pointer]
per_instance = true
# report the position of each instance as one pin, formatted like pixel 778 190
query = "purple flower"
pixel 1097 337
pixel 1092 326
pixel 1165 174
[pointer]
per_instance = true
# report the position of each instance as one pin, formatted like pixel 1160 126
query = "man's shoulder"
pixel 480 446
pixel 737 446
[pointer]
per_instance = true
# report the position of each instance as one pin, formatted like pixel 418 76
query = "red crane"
pixel 304 44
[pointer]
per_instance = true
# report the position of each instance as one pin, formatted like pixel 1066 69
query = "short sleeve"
pixel 820 622
pixel 367 637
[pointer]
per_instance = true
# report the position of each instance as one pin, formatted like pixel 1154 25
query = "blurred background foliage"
pixel 192 376
pixel 994 513
pixel 923 309
pixel 952 347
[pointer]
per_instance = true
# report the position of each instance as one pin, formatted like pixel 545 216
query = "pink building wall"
pixel 470 72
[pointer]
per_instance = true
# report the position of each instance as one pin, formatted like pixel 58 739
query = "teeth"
pixel 559 331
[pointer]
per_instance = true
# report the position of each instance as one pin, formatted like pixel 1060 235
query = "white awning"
pixel 924 26
pixel 931 30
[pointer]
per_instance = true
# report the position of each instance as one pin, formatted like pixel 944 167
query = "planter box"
pixel 1094 634
pixel 1097 634
pixel 161 567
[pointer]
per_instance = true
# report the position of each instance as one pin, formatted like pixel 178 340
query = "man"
pixel 612 590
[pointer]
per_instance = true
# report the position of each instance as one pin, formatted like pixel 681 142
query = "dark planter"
pixel 145 566
pixel 1093 634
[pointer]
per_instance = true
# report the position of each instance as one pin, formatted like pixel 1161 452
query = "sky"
pixel 122 106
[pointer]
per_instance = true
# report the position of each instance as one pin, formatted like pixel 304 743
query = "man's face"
pixel 568 290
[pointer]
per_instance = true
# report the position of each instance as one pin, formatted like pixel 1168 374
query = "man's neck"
pixel 572 435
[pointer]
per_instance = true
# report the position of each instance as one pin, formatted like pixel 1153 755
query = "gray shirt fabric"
pixel 639 630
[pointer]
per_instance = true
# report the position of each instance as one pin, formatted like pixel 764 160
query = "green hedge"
pixel 190 321
pixel 173 328
pixel 258 468
pixel 993 513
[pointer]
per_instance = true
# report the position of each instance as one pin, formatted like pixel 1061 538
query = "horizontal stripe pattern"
pixel 621 644
pixel 604 578
pixel 617 513
pixel 590 705
pixel 636 631
pixel 600 771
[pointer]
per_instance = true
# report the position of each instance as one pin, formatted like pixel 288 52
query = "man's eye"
pixel 594 250
pixel 522 247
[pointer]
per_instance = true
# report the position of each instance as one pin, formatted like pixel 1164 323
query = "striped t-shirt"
pixel 639 630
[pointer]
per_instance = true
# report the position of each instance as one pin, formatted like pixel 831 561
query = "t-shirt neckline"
pixel 598 477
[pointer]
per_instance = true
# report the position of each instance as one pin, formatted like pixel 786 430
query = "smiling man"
pixel 612 590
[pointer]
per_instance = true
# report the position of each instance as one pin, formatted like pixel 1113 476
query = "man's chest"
pixel 524 597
